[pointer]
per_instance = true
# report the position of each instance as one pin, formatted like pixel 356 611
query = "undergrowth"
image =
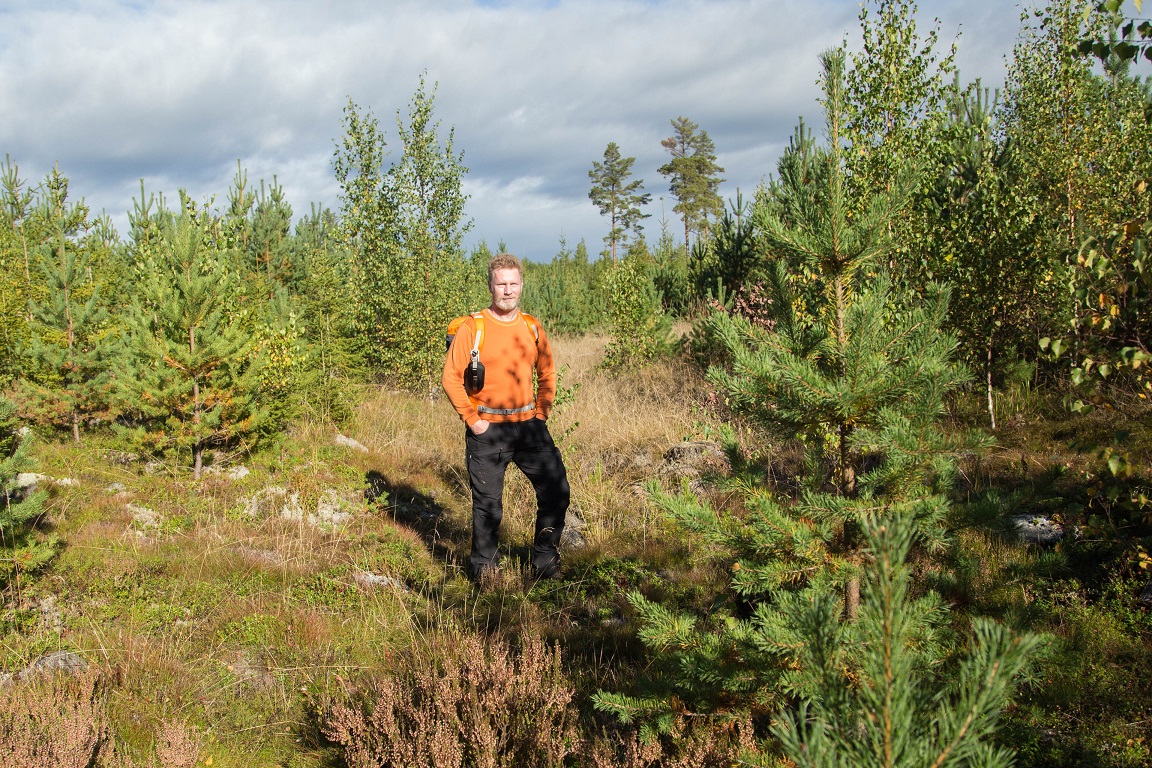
pixel 219 628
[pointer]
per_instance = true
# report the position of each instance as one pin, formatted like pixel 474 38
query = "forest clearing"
pixel 861 470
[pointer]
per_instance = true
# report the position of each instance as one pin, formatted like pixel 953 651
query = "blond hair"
pixel 504 261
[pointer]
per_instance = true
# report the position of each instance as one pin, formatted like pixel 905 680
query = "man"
pixel 505 420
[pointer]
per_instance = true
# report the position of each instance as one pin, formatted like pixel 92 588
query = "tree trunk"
pixel 991 409
pixel 198 444
pixel 852 599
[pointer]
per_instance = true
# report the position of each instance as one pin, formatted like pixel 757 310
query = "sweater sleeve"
pixel 545 377
pixel 452 379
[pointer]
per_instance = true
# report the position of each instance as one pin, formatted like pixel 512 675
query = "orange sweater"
pixel 509 353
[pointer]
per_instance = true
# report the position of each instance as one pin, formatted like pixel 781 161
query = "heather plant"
pixel 58 721
pixel 472 705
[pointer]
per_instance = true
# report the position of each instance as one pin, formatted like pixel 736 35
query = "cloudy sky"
pixel 174 92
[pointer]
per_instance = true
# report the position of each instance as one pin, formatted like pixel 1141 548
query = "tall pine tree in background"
pixel 187 376
pixel 693 177
pixel 616 197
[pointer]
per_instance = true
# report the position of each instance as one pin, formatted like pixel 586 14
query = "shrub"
pixel 479 705
pixel 54 722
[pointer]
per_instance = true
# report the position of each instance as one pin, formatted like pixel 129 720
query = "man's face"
pixel 506 285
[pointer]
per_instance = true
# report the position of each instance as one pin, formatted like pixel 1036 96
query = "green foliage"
pixel 976 230
pixel 618 198
pixel 1076 131
pixel 834 360
pixel 562 293
pixel 639 326
pixel 693 176
pixel 67 382
pixel 1135 35
pixel 406 228
pixel 188 377
pixel 23 549
pixel 335 352
pixel 894 93
pixel 897 706
pixel 730 256
pixel 671 275
pixel 15 267
pixel 1111 284
pixel 894 98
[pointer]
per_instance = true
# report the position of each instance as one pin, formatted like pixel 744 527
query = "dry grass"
pixel 214 620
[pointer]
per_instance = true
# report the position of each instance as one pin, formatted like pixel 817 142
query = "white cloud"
pixel 176 92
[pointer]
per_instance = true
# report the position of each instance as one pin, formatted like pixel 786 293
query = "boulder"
pixel 573 535
pixel 58 661
pixel 331 510
pixel 348 442
pixel 1037 529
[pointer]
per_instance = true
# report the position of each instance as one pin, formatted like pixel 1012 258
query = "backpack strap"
pixel 533 325
pixel 477 337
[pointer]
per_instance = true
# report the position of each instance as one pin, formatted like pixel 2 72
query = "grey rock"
pixel 1146 595
pixel 1037 529
pixel 50 616
pixel 115 488
pixel 238 473
pixel 370 580
pixel 274 500
pixel 691 459
pixel 573 535
pixel 348 442
pixel 143 517
pixel 262 556
pixel 330 510
pixel 27 482
pixel 121 458
pixel 59 661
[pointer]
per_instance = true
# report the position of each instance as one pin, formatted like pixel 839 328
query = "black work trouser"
pixel 528 445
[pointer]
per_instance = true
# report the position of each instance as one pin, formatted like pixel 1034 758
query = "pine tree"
pixel 877 692
pixel 187 376
pixel 23 549
pixel 68 383
pixel 839 370
pixel 616 196
pixel 693 176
